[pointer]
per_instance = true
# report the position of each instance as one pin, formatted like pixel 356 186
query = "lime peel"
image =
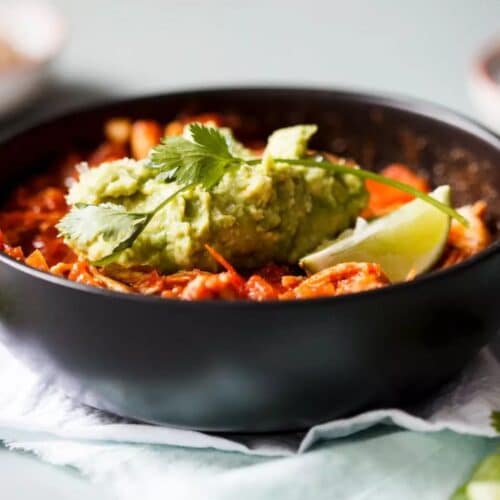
pixel 484 484
pixel 483 490
pixel 409 240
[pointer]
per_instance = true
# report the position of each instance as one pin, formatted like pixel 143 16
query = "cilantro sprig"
pixel 117 228
pixel 201 161
pixel 204 160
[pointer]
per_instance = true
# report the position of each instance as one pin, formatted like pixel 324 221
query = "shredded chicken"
pixel 463 242
pixel 28 233
pixel 349 277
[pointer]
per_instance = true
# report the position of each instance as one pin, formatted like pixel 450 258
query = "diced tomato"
pixel 383 198
pixel 37 260
pixel 145 135
pixel 107 151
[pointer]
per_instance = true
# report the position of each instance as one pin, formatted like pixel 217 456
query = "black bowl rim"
pixel 412 105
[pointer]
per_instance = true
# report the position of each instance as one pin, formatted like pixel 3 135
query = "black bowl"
pixel 243 366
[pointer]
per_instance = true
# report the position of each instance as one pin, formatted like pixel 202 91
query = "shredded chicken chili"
pixel 28 233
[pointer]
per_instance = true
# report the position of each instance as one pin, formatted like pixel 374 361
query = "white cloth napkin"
pixel 41 419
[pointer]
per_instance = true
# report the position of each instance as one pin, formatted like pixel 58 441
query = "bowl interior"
pixel 374 131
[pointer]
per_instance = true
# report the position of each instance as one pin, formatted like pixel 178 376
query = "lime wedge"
pixel 409 240
pixel 483 490
pixel 484 483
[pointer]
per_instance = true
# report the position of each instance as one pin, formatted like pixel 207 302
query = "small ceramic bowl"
pixel 484 83
pixel 36 34
pixel 271 366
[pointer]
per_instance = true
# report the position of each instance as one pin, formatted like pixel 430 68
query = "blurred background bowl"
pixel 484 83
pixel 33 34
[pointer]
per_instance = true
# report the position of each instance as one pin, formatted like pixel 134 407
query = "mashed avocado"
pixel 270 212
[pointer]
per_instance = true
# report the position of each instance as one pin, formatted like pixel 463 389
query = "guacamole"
pixel 256 214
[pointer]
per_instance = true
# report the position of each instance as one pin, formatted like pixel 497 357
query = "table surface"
pixel 126 47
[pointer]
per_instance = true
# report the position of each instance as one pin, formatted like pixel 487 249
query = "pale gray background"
pixel 420 48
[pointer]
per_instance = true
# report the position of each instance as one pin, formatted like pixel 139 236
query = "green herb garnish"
pixel 111 222
pixel 202 161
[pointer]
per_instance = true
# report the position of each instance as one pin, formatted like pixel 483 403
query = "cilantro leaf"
pixel 211 139
pixel 117 228
pixel 204 160
pixel 84 221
